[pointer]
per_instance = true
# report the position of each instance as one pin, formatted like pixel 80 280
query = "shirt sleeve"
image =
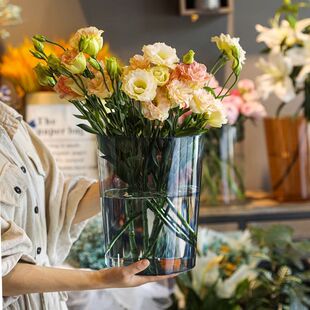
pixel 62 198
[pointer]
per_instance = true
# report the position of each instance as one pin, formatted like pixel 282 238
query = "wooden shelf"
pixel 186 11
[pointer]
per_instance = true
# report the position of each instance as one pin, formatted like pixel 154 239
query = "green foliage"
pixel 283 280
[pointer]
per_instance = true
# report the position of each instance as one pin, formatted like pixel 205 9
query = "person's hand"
pixel 119 277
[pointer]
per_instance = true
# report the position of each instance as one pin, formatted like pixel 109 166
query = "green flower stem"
pixel 121 231
pixel 131 230
pixel 145 229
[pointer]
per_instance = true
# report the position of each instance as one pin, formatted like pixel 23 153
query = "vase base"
pixel 158 266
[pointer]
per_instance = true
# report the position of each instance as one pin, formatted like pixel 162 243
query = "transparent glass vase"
pixel 150 198
pixel 222 176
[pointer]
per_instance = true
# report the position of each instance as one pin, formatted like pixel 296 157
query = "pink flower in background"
pixel 194 73
pixel 253 110
pixel 232 112
pixel 246 85
pixel 237 101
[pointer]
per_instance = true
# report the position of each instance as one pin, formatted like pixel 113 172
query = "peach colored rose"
pixel 67 89
pixel 194 73
pixel 139 62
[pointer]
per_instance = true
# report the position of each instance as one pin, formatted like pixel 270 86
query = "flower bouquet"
pixel 222 176
pixel 255 269
pixel 286 73
pixel 149 118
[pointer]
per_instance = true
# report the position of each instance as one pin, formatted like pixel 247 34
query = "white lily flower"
pixel 227 288
pixel 283 33
pixel 300 56
pixel 276 78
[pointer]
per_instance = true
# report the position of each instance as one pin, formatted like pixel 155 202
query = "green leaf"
pixel 88 129
pixel 79 116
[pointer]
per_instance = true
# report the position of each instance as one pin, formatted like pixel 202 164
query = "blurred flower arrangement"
pixel 256 269
pixel 10 14
pixel 17 65
pixel 286 72
pixel 145 115
pixel 222 177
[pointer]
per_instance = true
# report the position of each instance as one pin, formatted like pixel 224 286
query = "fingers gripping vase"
pixel 150 198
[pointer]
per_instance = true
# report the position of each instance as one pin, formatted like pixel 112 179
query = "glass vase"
pixel 150 198
pixel 289 158
pixel 222 176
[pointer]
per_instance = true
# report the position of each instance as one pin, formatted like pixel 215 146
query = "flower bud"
pixel 37 54
pixel 189 57
pixel 112 67
pixel 39 38
pixel 44 76
pixel 54 62
pixel 39 46
pixel 90 46
pixel 73 61
pixel 94 63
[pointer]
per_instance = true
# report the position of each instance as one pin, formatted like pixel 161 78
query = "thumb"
pixel 137 267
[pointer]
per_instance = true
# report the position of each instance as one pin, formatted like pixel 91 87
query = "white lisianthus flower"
pixel 179 93
pixel 232 49
pixel 201 101
pixel 140 85
pixel 276 78
pixel 216 114
pixel 161 74
pixel 300 57
pixel 227 288
pixel 160 54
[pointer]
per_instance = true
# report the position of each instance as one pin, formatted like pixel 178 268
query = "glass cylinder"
pixel 150 198
pixel 222 176
pixel 288 156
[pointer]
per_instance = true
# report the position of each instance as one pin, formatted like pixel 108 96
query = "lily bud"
pixel 44 76
pixel 112 67
pixel 94 63
pixel 53 61
pixel 37 54
pixel 73 61
pixel 39 46
pixel 189 57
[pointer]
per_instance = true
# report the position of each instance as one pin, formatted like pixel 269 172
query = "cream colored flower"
pixel 227 288
pixel 158 109
pixel 276 78
pixel 88 40
pixel 139 62
pixel 216 114
pixel 201 101
pixel 139 85
pixel 179 93
pixel 232 49
pixel 160 54
pixel 161 74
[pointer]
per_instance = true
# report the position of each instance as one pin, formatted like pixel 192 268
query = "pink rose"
pixel 233 100
pixel 232 112
pixel 246 85
pixel 67 89
pixel 254 110
pixel 194 73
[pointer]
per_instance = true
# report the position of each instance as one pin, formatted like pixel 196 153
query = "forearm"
pixel 28 278
pixel 89 205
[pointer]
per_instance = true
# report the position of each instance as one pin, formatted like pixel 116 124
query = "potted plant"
pixel 286 74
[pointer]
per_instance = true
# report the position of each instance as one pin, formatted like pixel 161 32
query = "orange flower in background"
pixel 17 64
